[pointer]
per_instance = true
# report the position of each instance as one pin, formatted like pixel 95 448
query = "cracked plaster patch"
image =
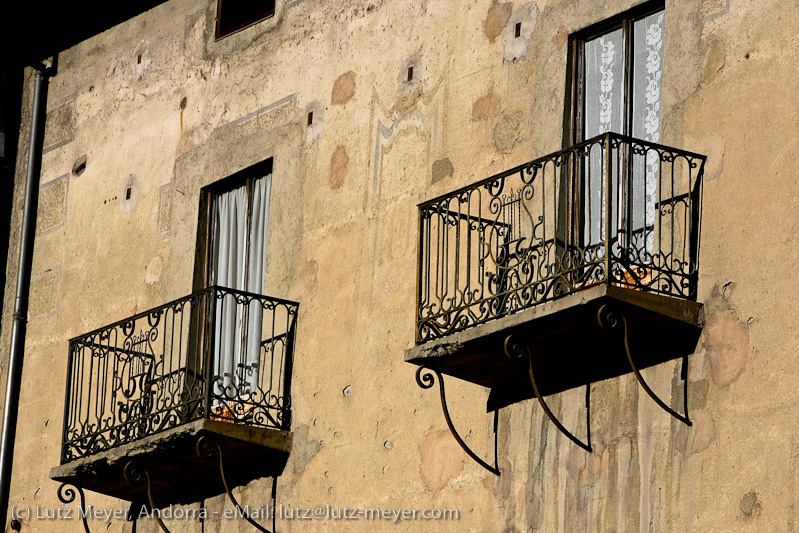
pixel 527 16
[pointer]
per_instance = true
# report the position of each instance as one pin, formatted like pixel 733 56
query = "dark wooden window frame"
pixel 205 231
pixel 225 26
pixel 574 128
pixel 574 110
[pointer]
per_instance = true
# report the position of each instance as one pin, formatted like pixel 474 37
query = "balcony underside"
pixel 178 473
pixel 569 347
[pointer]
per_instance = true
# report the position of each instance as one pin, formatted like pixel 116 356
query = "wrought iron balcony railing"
pixel 610 210
pixel 219 354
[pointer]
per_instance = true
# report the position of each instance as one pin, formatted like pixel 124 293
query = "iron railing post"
pixel 289 366
pixel 695 199
pixel 627 208
pixel 208 359
pixel 608 207
pixel 419 270
pixel 67 402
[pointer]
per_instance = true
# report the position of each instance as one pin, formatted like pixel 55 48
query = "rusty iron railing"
pixel 610 210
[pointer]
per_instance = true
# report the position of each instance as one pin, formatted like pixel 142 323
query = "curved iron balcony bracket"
pixel 66 494
pixel 608 318
pixel 208 447
pixel 426 381
pixel 516 349
pixel 133 473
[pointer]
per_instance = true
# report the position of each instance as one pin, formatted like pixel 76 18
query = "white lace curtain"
pixel 604 111
pixel 239 261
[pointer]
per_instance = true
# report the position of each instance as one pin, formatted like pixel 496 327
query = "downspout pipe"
pixel 20 317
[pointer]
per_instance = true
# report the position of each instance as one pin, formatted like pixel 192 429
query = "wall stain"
pixel 486 106
pixel 338 167
pixel 409 82
pixel 727 346
pixel 715 58
pixel 154 270
pixel 303 450
pixel 561 38
pixel 500 486
pixel 697 392
pixel 703 431
pixel 750 505
pixel 506 131
pixel 307 277
pixel 442 169
pixel 343 88
pixel 442 459
pixel 317 108
pixel 527 17
pixel 497 17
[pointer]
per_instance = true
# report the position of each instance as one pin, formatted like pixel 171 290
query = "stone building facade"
pixel 360 110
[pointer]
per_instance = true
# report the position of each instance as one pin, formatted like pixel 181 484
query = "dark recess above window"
pixel 235 15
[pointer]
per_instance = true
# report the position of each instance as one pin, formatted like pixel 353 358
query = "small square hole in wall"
pixel 518 29
pixel 127 193
pixel 138 60
pixel 310 118
pixel 410 73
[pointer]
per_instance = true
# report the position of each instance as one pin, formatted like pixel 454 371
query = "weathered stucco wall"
pixel 157 106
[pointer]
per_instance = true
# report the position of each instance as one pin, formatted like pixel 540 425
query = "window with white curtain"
pixel 237 260
pixel 618 80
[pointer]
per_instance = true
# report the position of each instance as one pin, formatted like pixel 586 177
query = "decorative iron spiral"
pixel 207 447
pixel 607 318
pixel 133 472
pixel 67 493
pixel 515 349
pixel 427 380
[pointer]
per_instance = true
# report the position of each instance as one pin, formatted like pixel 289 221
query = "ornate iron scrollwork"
pixel 515 349
pixel 608 318
pixel 514 240
pixel 169 366
pixel 66 494
pixel 426 381
pixel 207 448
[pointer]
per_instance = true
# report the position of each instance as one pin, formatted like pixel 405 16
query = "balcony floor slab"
pixel 569 347
pixel 178 474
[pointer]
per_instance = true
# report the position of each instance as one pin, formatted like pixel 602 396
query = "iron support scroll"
pixel 66 494
pixel 516 349
pixel 133 473
pixel 426 381
pixel 610 319
pixel 207 448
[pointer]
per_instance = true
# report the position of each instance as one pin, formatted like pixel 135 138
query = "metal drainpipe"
pixel 23 285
